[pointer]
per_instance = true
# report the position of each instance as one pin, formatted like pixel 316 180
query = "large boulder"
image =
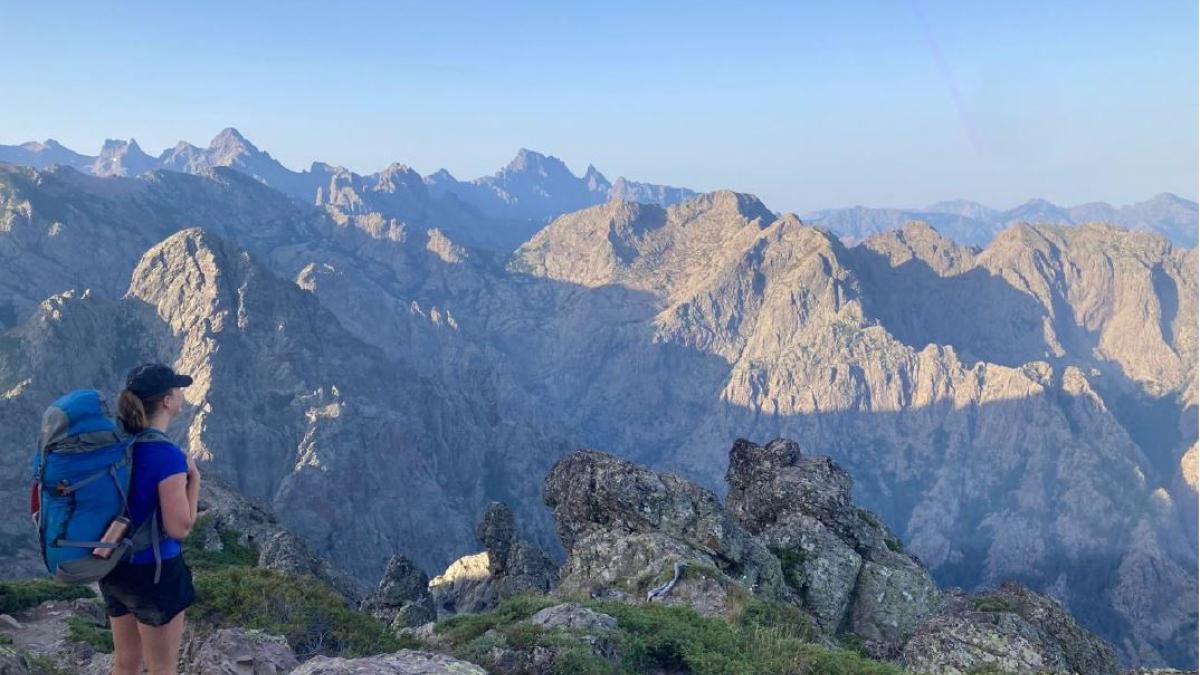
pixel 236 651
pixel 843 563
pixel 403 662
pixel 507 566
pixel 1011 629
pixel 626 527
pixel 402 599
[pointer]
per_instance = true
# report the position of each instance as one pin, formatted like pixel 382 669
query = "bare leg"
pixel 160 645
pixel 127 645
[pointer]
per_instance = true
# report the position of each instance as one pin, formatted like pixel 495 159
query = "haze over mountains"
pixel 502 210
pixel 375 363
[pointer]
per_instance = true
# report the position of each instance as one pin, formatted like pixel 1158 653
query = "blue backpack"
pixel 81 472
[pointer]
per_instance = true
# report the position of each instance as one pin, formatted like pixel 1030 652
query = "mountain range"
pixel 502 210
pixel 1026 410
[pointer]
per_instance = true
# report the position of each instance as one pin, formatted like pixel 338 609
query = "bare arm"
pixel 179 497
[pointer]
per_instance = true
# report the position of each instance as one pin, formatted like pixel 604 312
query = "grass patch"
pixel 232 553
pixel 26 593
pixel 307 613
pixel 83 630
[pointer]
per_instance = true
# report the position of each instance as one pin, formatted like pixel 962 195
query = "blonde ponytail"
pixel 131 412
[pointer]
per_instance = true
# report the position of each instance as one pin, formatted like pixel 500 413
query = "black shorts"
pixel 130 589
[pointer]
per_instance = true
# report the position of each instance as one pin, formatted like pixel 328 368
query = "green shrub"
pixel 792 562
pixel 767 638
pixel 83 630
pixel 992 603
pixel 26 593
pixel 310 615
pixel 232 552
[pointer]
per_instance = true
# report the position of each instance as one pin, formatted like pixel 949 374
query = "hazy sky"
pixel 807 105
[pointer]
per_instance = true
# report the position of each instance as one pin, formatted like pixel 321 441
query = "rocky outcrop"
pixel 236 651
pixel 402 599
pixel 1010 630
pixel 623 526
pixel 848 569
pixel 507 567
pixel 640 536
pixel 405 662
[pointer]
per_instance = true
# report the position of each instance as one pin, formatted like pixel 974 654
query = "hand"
pixel 193 472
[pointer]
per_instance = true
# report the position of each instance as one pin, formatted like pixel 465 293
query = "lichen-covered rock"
pixel 236 651
pixel 890 602
pixel 621 523
pixel 848 570
pixel 403 662
pixel 1013 630
pixel 573 616
pixel 402 599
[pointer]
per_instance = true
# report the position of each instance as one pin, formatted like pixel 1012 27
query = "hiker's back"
pixel 154 459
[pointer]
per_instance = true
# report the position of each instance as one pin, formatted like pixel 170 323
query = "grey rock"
pixel 1011 629
pixel 402 599
pixel 236 651
pixel 573 616
pixel 848 569
pixel 594 494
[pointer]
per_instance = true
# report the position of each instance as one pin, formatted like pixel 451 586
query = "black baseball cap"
pixel 152 379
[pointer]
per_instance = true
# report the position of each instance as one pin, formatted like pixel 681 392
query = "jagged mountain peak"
pixel 229 145
pixel 530 161
pixel 441 176
pixel 596 182
pixel 229 135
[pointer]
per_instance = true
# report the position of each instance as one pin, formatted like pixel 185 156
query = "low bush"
pixel 26 593
pixel 992 603
pixel 311 616
pixel 766 638
pixel 232 552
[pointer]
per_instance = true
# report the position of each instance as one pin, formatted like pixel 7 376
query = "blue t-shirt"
pixel 153 462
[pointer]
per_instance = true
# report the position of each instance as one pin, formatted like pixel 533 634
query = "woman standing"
pixel 147 616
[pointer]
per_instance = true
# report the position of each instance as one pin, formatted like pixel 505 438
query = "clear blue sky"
pixel 807 105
